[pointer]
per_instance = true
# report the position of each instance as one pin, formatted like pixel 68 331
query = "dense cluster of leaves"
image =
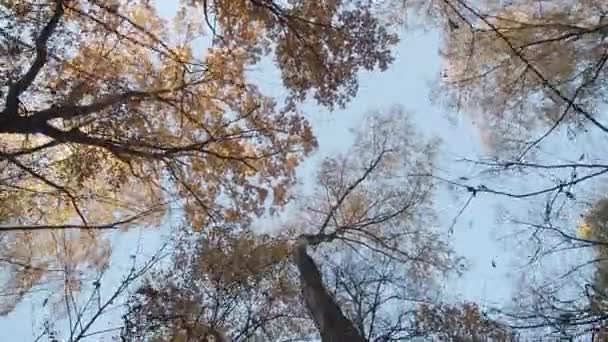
pixel 113 114
pixel 377 246
pixel 525 65
pixel 232 287
pixel 460 323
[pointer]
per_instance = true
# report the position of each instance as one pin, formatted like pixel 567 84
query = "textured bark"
pixel 325 312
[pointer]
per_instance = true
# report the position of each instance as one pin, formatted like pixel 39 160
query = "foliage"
pixel 523 66
pixel 114 114
pixel 370 224
pixel 53 256
pixel 596 220
pixel 375 242
pixel 231 287
pixel 530 75
pixel 464 322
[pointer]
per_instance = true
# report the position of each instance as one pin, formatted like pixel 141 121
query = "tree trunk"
pixel 325 312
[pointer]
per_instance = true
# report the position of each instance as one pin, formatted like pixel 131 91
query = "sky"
pixel 407 83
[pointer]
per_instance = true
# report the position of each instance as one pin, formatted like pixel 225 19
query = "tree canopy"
pixel 379 254
pixel 530 75
pixel 116 116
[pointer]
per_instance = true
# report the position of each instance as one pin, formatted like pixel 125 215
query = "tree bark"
pixel 323 309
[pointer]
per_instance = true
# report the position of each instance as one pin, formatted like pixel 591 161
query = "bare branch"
pixel 518 53
pixel 111 225
pixel 350 189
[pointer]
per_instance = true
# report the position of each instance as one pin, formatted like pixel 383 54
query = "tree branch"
pixel 17 88
pixel 533 68
pixel 111 225
pixel 350 189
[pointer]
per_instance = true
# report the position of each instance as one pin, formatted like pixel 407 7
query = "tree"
pixel 374 294
pixel 464 322
pixel 372 199
pixel 234 286
pixel 57 257
pixel 87 306
pixel 369 211
pixel 113 115
pixel 530 75
pixel 526 66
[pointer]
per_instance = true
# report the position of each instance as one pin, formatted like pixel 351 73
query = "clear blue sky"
pixel 405 83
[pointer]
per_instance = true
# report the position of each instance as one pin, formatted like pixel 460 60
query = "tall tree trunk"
pixel 325 312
